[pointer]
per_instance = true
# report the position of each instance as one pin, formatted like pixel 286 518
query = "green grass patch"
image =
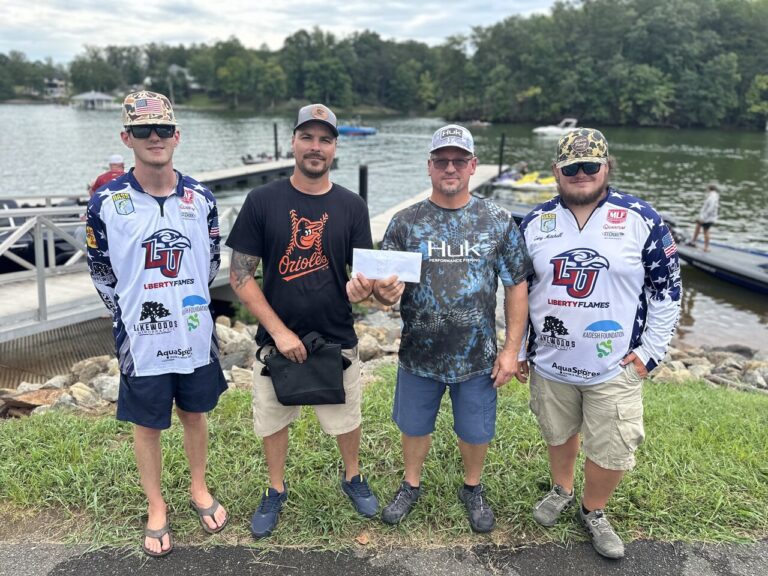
pixel 702 474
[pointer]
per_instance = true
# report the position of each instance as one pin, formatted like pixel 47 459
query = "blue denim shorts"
pixel 148 400
pixel 417 402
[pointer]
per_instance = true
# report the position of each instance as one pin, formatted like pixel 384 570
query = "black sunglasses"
pixel 458 163
pixel 143 131
pixel 589 168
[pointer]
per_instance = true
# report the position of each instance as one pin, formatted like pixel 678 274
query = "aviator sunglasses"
pixel 458 163
pixel 143 131
pixel 590 168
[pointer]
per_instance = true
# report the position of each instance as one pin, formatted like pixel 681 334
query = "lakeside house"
pixel 94 101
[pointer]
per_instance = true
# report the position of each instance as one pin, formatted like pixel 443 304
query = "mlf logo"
pixel 305 235
pixel 577 270
pixel 164 250
pixel 616 216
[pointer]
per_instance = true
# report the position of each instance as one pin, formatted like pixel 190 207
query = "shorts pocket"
pixel 630 425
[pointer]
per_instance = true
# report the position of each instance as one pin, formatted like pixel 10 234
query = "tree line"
pixel 611 62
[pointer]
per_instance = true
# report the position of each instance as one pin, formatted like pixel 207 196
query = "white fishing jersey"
pixel 598 293
pixel 152 261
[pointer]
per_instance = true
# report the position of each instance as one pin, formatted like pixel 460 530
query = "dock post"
pixel 363 188
pixel 277 149
pixel 501 151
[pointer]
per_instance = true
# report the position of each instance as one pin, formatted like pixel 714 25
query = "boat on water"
pixel 563 127
pixel 747 267
pixel 355 130
pixel 529 182
pixel 259 159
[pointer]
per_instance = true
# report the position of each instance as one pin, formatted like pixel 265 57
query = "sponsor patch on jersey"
pixel 617 215
pixel 90 238
pixel 189 196
pixel 604 348
pixel 670 248
pixel 548 222
pixel 123 203
pixel 578 271
pixel 154 313
pixel 552 333
pixel 604 330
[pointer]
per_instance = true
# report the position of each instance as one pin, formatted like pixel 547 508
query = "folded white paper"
pixel 380 264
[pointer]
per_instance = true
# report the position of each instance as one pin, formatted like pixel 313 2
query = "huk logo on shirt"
pixel 164 250
pixel 577 270
pixel 304 254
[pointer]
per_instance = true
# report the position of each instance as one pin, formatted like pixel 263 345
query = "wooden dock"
pixel 482 176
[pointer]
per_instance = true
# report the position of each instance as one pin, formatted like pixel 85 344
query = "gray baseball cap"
pixel 317 113
pixel 453 135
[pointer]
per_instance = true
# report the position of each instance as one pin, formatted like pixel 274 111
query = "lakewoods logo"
pixel 552 334
pixel 154 312
pixel 304 254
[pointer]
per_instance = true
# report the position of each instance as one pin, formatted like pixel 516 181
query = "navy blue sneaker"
pixel 265 518
pixel 360 493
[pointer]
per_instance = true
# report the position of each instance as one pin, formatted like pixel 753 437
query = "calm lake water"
pixel 58 150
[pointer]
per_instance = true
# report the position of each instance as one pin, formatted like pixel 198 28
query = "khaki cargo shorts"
pixel 269 416
pixel 608 415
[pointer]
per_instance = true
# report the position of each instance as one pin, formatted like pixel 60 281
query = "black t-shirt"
pixel 305 243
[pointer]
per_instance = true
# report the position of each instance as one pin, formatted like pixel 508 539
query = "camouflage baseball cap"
pixel 582 145
pixel 146 107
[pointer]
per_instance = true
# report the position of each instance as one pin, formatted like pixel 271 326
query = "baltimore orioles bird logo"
pixel 305 235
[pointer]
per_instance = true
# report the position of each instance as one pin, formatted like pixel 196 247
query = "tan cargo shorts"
pixel 608 415
pixel 269 416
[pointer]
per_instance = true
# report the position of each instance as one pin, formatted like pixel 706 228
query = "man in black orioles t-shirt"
pixel 303 230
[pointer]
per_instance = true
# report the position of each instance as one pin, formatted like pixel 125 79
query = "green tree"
pixel 326 81
pixel 757 98
pixel 91 71
pixel 233 79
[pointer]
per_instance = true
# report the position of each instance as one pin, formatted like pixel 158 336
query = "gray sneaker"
pixel 401 504
pixel 481 517
pixel 604 539
pixel 548 509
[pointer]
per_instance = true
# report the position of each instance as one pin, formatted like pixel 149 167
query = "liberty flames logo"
pixel 577 270
pixel 164 250
pixel 305 235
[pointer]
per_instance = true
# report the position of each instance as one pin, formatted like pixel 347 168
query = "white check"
pixel 380 264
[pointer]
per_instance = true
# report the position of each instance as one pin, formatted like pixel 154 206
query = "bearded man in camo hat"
pixel 604 299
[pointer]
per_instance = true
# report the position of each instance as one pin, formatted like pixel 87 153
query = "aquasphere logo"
pixel 175 354
pixel 604 330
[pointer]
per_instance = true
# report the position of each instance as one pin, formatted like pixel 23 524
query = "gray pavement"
pixel 642 558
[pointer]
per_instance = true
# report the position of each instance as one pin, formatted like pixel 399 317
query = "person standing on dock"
pixel 707 216
pixel 153 250
pixel 449 320
pixel 116 168
pixel 604 302
pixel 303 230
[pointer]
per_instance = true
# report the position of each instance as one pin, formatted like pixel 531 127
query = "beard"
pixel 313 172
pixel 581 198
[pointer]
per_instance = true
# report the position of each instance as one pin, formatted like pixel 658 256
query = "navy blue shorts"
pixel 417 402
pixel 148 400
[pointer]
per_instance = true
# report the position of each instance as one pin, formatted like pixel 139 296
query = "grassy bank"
pixel 702 475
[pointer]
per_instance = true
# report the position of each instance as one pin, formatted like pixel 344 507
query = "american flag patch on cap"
pixel 149 106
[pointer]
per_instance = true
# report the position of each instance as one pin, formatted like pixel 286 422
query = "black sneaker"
pixel 401 504
pixel 265 518
pixel 481 517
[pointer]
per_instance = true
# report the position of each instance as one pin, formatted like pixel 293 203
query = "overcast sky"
pixel 60 28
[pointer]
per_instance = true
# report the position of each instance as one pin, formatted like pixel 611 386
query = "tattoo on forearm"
pixel 243 267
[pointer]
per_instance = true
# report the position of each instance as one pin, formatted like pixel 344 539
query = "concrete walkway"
pixel 643 558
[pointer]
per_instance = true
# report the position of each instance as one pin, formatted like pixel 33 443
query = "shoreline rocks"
pixel 92 385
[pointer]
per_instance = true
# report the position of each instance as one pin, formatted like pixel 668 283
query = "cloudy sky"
pixel 60 28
